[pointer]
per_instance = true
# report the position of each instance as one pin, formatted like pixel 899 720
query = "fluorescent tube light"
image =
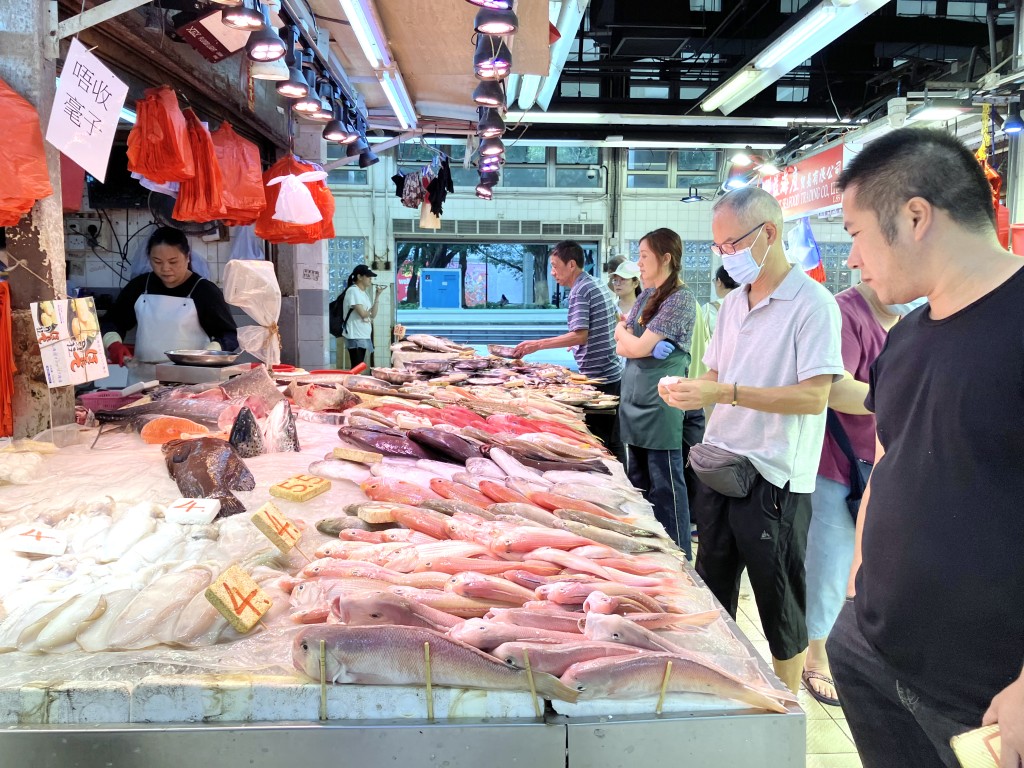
pixel 939 110
pixel 730 89
pixel 794 42
pixel 367 32
pixel 398 97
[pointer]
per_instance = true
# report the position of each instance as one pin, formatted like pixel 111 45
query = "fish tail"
pixel 229 505
pixel 550 687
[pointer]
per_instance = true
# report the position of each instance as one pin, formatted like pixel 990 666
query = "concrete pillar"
pixel 36 245
pixel 310 271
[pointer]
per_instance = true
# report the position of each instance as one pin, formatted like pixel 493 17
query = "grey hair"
pixel 752 206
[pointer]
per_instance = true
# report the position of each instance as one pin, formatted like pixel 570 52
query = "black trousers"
pixel 605 424
pixel 693 434
pixel 356 355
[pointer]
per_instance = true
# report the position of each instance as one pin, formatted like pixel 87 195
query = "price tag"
pixel 37 539
pixel 300 488
pixel 281 531
pixel 192 511
pixel 239 599
pixel 980 748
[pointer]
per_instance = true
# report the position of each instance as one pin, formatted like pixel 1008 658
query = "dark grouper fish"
pixel 246 436
pixel 208 468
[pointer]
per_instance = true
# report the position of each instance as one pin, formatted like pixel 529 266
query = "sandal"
pixel 809 675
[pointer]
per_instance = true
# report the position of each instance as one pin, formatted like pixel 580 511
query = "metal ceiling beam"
pixel 569 21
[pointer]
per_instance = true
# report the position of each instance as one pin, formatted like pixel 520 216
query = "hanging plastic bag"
pixel 275 231
pixel 158 145
pixel 169 188
pixel 201 198
pixel 245 245
pixel 252 286
pixel 24 177
pixel 295 202
pixel 240 166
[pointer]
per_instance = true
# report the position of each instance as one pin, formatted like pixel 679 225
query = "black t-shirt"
pixel 214 315
pixel 940 594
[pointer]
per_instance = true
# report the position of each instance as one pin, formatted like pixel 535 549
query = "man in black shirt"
pixel 932 645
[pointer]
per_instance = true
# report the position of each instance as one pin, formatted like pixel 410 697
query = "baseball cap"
pixel 628 270
pixel 362 270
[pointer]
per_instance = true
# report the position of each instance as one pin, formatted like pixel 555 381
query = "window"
pixel 580 89
pixel 656 168
pixel 524 177
pixel 494 275
pixel 791 93
pixel 346 175
pixel 648 91
pixel 577 155
pixel 587 171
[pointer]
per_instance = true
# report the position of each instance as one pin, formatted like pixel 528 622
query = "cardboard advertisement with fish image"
pixel 67 332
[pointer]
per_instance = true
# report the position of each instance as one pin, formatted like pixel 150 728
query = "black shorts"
pixel 766 532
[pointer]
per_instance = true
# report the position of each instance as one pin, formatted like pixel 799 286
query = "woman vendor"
pixel 664 311
pixel 172 308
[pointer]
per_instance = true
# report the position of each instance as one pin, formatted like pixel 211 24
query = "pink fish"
pixel 484 587
pixel 556 659
pixel 530 539
pixel 389 608
pixel 423 520
pixel 556 620
pixel 485 635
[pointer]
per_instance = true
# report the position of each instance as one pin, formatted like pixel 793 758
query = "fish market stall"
pixel 449 567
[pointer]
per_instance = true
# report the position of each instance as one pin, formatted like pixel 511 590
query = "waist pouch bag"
pixel 723 471
pixel 860 470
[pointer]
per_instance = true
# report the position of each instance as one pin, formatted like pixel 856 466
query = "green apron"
pixel 645 420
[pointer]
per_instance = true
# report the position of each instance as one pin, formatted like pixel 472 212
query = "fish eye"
pixel 375 615
pixel 305 645
pixel 581 688
pixel 616 636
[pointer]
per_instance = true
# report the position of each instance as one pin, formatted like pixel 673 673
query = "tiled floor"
pixel 828 737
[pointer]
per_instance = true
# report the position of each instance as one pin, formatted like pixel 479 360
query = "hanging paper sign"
pixel 86 110
pixel 214 40
pixel 68 333
pixel 810 185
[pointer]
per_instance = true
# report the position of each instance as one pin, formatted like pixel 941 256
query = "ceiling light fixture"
pixel 742 159
pixel 492 163
pixel 736 182
pixel 265 44
pixel 768 168
pixel 692 196
pixel 940 110
pixel 490 147
pixel 325 111
pixel 491 21
pixel 368 158
pixel 310 102
pixel 493 59
pixel 398 97
pixel 335 130
pixel 294 86
pixel 812 33
pixel 357 147
pixel 367 32
pixel 489 93
pixel 1013 122
pixel 490 126
pixel 244 16
pixel 484 192
pixel 490 178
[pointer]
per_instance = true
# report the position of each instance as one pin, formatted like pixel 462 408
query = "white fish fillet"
pixel 96 637
pixel 130 527
pixel 65 624
pixel 140 621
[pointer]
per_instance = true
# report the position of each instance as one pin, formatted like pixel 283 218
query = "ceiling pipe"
pixel 569 21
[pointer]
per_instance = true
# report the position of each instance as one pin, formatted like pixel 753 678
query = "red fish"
pixel 452 490
pixel 554 501
pixel 501 494
pixel 392 489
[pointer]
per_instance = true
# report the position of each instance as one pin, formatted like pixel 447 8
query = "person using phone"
pixel 358 311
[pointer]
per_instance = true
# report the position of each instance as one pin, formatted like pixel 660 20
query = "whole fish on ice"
pixel 208 468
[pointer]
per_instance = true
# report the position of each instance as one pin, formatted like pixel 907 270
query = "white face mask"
pixel 905 309
pixel 741 265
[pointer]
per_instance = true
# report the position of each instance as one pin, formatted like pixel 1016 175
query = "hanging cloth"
pixel 24 177
pixel 7 367
pixel 439 188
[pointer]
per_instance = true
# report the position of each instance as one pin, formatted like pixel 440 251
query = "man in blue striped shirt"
pixel 591 337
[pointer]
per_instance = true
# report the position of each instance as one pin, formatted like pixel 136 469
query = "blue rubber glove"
pixel 662 349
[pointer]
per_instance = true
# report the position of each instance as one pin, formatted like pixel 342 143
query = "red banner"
pixel 810 185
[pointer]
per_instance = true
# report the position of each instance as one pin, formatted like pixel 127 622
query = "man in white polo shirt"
pixel 772 360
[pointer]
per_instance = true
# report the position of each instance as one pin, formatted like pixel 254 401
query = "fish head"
pixel 306 656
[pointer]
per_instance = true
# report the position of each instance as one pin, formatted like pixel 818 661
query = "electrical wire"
pixel 828 85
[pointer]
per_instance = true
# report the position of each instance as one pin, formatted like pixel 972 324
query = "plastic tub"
pixel 106 400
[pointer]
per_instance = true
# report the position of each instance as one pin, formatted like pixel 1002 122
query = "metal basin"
pixel 214 358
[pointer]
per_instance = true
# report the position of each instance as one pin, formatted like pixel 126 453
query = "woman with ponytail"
pixel 664 312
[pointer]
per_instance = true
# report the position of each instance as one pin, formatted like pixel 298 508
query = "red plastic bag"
pixel 158 145
pixel 243 182
pixel 24 177
pixel 201 198
pixel 274 231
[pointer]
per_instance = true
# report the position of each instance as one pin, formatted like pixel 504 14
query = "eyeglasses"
pixel 729 249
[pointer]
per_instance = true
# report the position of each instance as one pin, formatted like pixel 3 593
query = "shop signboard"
pixel 213 40
pixel 86 110
pixel 809 186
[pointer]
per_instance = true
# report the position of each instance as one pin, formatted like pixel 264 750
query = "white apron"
pixel 164 323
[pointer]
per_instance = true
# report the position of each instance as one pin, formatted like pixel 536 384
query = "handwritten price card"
pixel 192 511
pixel 36 539
pixel 239 599
pixel 300 488
pixel 281 531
